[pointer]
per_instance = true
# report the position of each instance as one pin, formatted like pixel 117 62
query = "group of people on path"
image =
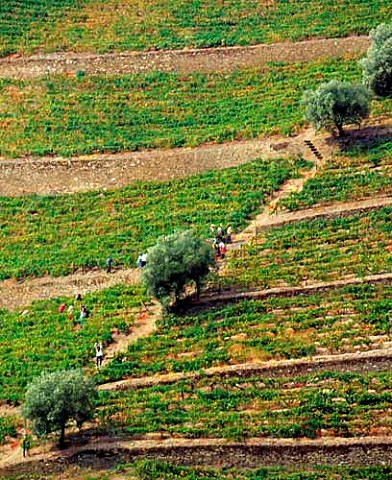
pixel 220 238
pixel 83 312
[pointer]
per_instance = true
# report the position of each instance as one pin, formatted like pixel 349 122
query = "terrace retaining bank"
pixel 363 362
pixel 218 453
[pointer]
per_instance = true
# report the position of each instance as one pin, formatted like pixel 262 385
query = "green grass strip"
pixel 41 338
pixel 59 234
pixel 322 404
pixel 90 114
pixel 257 331
pixel 102 26
pixel 316 250
pixel 8 426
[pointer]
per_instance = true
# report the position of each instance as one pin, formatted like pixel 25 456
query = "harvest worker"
pixel 228 233
pixel 109 263
pixel 98 354
pixel 219 232
pixel 222 249
pixel 70 312
pixel 142 260
pixel 83 314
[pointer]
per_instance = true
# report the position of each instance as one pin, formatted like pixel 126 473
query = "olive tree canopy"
pixel 174 261
pixel 377 65
pixel 335 104
pixel 53 399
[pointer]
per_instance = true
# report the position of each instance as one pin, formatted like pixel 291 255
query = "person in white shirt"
pixel 98 354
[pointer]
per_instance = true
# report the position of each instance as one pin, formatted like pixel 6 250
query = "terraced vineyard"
pixel 90 114
pixel 316 250
pixel 359 172
pixel 293 379
pixel 322 405
pixel 86 25
pixel 59 234
pixel 341 320
pixel 41 338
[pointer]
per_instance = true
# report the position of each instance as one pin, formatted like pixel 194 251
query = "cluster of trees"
pixel 335 104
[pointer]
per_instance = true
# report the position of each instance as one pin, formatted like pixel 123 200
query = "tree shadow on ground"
pixel 362 140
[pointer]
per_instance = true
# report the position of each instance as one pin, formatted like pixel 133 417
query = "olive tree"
pixel 377 65
pixel 175 261
pixel 53 399
pixel 335 104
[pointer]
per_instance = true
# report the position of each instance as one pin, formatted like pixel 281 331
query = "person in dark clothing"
pixel 109 263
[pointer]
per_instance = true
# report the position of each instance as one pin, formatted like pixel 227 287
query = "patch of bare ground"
pixel 17 294
pixel 188 60
pixel 54 175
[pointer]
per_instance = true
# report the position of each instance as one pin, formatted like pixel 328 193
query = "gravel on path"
pixel 221 59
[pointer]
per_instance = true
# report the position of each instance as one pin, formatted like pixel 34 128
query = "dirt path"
pixel 218 452
pixel 56 175
pixel 144 325
pixel 187 60
pixel 53 175
pixel 263 219
pixel 327 211
pixel 14 294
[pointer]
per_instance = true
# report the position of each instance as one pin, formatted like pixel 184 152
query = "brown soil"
pixel 14 294
pixel 221 453
pixel 189 60
pixel 53 175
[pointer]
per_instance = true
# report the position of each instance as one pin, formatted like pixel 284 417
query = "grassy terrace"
pixel 44 339
pixel 343 320
pixel 89 114
pixel 315 250
pixel 97 25
pixel 322 405
pixel 360 172
pixel 59 234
